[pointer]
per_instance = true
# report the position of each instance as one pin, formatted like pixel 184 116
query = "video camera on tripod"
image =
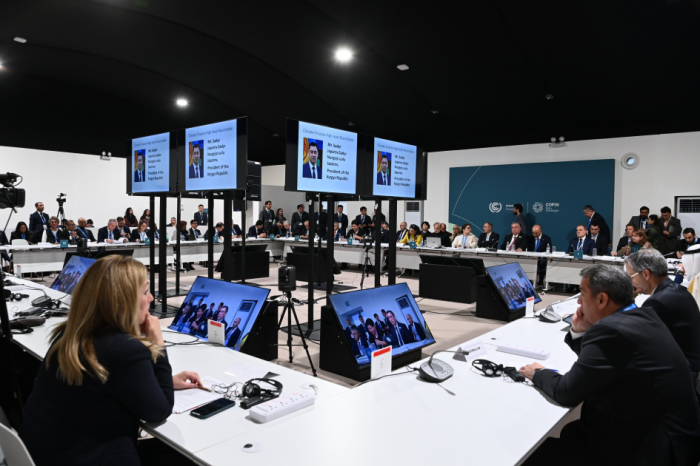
pixel 10 196
pixel 61 199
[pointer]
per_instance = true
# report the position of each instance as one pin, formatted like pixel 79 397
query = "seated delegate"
pixel 467 239
pixel 639 405
pixel 639 242
pixel 516 240
pixel 106 370
pixel 582 242
pixel 413 236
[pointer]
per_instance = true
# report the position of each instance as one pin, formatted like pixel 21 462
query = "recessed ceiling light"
pixel 434 112
pixel 343 54
pixel 350 123
pixel 402 67
pixel 275 135
pixel 182 103
pixel 21 40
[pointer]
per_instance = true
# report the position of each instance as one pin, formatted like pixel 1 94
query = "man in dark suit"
pixel 233 333
pixel 625 240
pixel 595 218
pixel 383 177
pixel 201 216
pixel 281 229
pixel 236 231
pixel 386 234
pixel 299 217
pixel 415 328
pixel 124 231
pixel 196 170
pixel 219 231
pixel 358 343
pixel 38 221
pixel 689 239
pixel 381 218
pixel 582 242
pixel 600 241
pixel 362 328
pixel 342 219
pixel 640 221
pixel 348 328
pixel 402 232
pixel 109 234
pixel 516 241
pixel 639 406
pixel 539 243
pixel 363 220
pixel 355 232
pixel 399 332
pixel 193 233
pixel 671 225
pixel 83 231
pixel 338 234
pixel 268 217
pixel 257 230
pixel 140 173
pixel 301 230
pixel 672 302
pixel 488 239
pixel 312 169
pixel 320 222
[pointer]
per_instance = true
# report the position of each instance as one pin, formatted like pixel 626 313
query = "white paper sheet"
pixel 192 398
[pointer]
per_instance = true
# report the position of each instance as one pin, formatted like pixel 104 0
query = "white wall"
pixel 668 167
pixel 95 189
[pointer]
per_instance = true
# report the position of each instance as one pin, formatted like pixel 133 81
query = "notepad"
pixel 192 398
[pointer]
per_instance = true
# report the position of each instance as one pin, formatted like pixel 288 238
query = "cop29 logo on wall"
pixel 537 207
pixel 495 207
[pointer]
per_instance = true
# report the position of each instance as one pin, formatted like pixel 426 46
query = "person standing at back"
pixel 38 221
pixel 520 218
pixel 200 216
pixel 107 369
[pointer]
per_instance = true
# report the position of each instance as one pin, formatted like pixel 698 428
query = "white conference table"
pixel 183 432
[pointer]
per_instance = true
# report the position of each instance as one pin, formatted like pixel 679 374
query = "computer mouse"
pixel 549 316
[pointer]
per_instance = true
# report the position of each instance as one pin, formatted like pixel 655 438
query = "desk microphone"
pixel 438 371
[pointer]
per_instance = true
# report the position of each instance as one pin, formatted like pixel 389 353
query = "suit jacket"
pixel 135 235
pixel 673 224
pixel 356 350
pixel 216 233
pixel 296 218
pixel 386 237
pixel 126 230
pixel 320 224
pixel 201 171
pixel 338 235
pixel 492 243
pixel 98 423
pixel 299 230
pixel 279 231
pixel 400 234
pixel 637 222
pixel 307 171
pixel 364 224
pixel 103 234
pixel 50 238
pixel 683 244
pixel 598 219
pixel 35 223
pixel 236 230
pixel 406 336
pixel 380 179
pixel 232 336
pixel 601 245
pixel 382 218
pixel 587 246
pixel 520 218
pixel 544 241
pixel 639 406
pixel 139 175
pixel 380 336
pixel 201 219
pixel 85 233
pixel 622 243
pixel 677 309
pixel 521 242
pixel 253 232
pixel 342 221
pixel 193 234
pixel 419 330
pixel 268 219
pixel 351 233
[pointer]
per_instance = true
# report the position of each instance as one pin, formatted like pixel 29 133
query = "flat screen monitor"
pixel 71 274
pixel 213 157
pixel 321 159
pixel 394 170
pixel 512 284
pixel 237 306
pixel 151 164
pixel 380 317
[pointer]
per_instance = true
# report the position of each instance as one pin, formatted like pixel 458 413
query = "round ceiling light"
pixel 343 55
pixel 181 102
pixel 630 160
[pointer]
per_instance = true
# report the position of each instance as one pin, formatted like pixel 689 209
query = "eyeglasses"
pixel 488 368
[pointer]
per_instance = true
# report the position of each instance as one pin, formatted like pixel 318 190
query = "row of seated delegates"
pixel 627 356
pixel 193 319
pixel 110 353
pixel 130 219
pixel 379 333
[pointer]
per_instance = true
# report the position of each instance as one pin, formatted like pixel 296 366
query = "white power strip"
pixel 528 352
pixel 285 404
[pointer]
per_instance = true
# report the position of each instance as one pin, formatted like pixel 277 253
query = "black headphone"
pixel 251 389
pixel 9 296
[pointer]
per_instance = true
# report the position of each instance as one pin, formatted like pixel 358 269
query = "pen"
pixel 203 388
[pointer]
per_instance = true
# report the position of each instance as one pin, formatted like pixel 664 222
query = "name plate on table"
pixel 148 241
pixel 474 349
pixel 381 363
pixel 530 307
pixel 349 240
pixel 412 245
pixel 578 255
pixel 216 331
pixel 64 243
pixel 272 237
pixel 296 238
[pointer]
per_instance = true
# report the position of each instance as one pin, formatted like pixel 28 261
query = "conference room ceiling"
pixel 94 73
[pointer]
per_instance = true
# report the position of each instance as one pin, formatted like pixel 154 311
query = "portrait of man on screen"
pixel 313 149
pixel 383 164
pixel 140 163
pixel 196 155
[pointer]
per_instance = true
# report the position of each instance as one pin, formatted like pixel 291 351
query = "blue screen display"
pixel 512 284
pixel 236 306
pixel 71 274
pixel 381 317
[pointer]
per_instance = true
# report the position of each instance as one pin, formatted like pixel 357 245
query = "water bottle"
pixel 595 252
pixel 549 251
pixel 289 234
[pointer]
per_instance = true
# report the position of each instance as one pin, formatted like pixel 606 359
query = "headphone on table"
pixel 9 296
pixel 252 389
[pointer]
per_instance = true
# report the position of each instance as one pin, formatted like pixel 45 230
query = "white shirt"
pixel 512 242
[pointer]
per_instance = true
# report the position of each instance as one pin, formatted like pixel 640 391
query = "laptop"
pixel 432 242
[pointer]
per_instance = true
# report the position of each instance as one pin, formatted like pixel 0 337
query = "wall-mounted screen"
pixel 214 157
pixel 236 306
pixel 379 317
pixel 321 159
pixel 512 285
pixel 150 164
pixel 394 169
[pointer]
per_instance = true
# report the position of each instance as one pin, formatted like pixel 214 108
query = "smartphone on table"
pixel 215 407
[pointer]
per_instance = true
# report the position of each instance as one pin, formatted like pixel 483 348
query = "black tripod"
pixel 366 265
pixel 61 215
pixel 289 309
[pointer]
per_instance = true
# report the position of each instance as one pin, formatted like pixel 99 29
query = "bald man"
pixel 539 243
pixel 83 231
